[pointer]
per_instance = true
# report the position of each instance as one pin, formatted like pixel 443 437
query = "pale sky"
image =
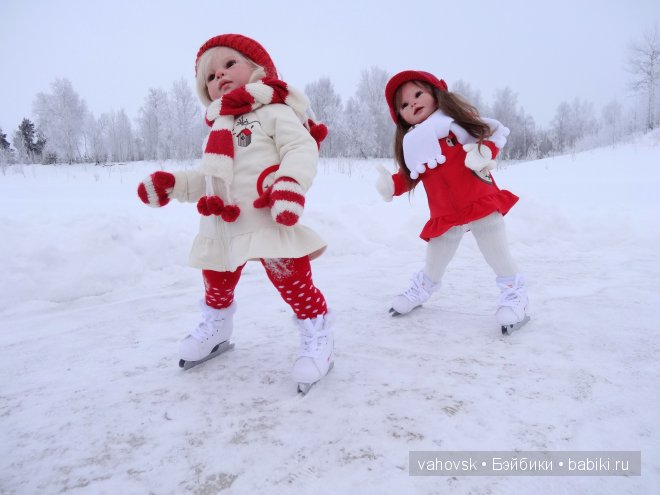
pixel 114 51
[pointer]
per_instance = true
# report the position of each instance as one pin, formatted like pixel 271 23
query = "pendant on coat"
pixel 243 131
pixel 484 175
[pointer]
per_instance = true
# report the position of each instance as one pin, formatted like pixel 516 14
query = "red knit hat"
pixel 409 75
pixel 242 44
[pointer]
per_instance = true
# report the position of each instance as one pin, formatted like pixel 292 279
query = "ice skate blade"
pixel 303 388
pixel 394 312
pixel 509 329
pixel 217 350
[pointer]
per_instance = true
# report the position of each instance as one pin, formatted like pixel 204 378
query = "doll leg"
pixel 440 251
pixel 216 325
pixel 220 287
pixel 292 277
pixel 490 234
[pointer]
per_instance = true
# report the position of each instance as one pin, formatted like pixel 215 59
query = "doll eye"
pixel 210 77
pixel 418 94
pixel 403 105
pixel 230 63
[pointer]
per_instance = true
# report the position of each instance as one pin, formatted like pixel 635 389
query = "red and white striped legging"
pixel 292 277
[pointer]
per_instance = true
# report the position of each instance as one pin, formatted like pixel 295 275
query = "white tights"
pixel 490 235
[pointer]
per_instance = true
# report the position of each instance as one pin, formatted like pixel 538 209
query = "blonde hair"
pixel 451 104
pixel 203 65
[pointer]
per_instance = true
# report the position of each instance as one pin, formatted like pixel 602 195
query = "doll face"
pixel 226 70
pixel 415 103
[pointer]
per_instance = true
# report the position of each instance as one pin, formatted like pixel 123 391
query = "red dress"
pixel 456 194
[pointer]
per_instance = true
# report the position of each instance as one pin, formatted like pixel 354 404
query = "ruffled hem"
pixel 277 242
pixel 502 201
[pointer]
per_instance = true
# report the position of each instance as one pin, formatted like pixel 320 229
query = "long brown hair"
pixel 452 105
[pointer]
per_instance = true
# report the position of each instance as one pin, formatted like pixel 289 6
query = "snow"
pixel 96 293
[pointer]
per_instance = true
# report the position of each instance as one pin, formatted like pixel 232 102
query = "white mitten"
pixel 385 184
pixel 421 147
pixel 478 157
pixel 499 132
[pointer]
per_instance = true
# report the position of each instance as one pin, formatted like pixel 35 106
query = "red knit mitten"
pixel 155 190
pixel 286 200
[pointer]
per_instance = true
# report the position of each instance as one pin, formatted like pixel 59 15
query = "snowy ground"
pixel 96 293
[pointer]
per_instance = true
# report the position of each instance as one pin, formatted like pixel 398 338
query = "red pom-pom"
pixel 263 200
pixel 162 180
pixel 287 218
pixel 214 205
pixel 202 207
pixel 230 213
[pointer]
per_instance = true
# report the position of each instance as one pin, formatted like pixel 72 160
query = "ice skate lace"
pixel 208 326
pixel 312 337
pixel 417 291
pixel 509 297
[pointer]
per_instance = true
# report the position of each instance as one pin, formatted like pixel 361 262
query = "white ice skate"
pixel 418 293
pixel 317 351
pixel 210 338
pixel 512 305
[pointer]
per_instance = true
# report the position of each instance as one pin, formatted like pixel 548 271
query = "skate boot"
pixel 317 351
pixel 418 293
pixel 210 338
pixel 512 305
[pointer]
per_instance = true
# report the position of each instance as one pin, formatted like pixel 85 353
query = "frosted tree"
pixel 118 136
pixel 28 142
pixel 522 138
pixel 327 107
pixel 6 153
pixel 368 122
pixel 472 96
pixel 4 144
pixel 183 127
pixel 60 117
pixel 644 66
pixel 95 146
pixel 152 124
pixel 561 126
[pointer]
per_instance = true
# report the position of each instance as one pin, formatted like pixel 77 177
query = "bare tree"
pixel 60 117
pixel 644 65
pixel 612 119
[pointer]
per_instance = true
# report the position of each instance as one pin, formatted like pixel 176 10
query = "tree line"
pixel 170 124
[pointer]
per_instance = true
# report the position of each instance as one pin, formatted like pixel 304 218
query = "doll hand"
pixel 155 190
pixel 421 149
pixel 479 157
pixel 499 132
pixel 385 184
pixel 286 199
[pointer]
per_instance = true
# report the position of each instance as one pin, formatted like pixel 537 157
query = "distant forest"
pixel 170 124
